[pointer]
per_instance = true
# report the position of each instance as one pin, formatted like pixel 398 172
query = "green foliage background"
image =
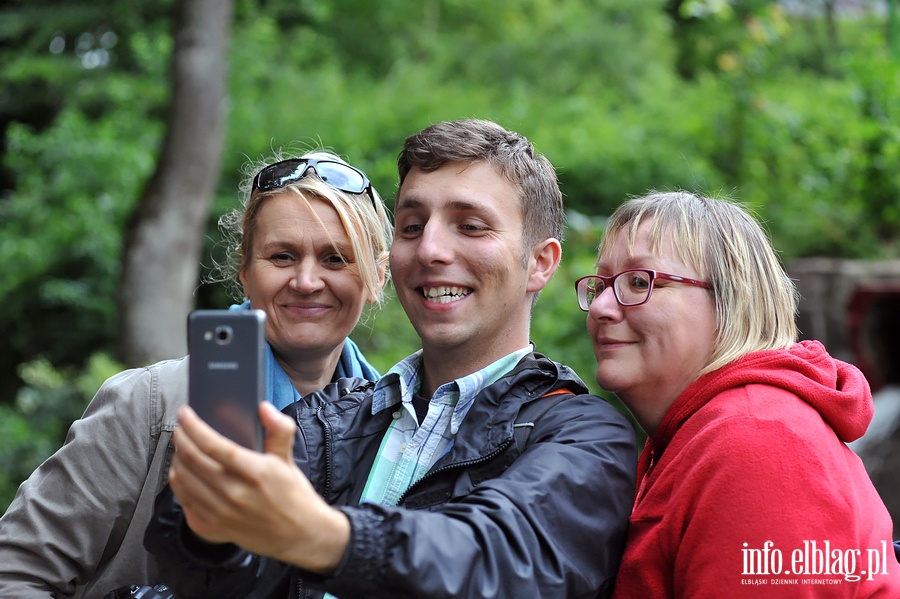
pixel 737 98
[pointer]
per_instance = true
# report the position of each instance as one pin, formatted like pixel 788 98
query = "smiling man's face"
pixel 457 260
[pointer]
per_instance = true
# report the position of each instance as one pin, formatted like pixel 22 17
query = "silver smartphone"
pixel 227 371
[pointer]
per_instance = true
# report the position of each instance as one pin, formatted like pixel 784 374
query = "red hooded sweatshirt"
pixel 747 489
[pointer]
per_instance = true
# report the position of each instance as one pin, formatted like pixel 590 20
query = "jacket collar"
pixel 489 423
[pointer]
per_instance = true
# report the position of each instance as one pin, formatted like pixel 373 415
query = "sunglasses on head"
pixel 342 177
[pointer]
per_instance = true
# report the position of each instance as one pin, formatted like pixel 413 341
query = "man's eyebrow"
pixel 407 202
pixel 413 203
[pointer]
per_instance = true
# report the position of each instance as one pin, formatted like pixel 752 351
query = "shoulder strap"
pixel 531 412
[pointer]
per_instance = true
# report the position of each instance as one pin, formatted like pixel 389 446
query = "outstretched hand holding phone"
pixel 260 501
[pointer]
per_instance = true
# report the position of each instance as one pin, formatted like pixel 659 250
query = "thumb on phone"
pixel 280 431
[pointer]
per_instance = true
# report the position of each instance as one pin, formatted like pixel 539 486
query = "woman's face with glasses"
pixel 648 354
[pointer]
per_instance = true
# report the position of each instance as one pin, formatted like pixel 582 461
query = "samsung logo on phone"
pixel 222 365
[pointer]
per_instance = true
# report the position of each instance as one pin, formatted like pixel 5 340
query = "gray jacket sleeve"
pixel 75 527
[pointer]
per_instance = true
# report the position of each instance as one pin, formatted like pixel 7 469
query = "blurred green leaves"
pixel 33 427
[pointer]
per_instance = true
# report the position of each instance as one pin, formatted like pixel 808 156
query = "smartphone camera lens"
pixel 223 335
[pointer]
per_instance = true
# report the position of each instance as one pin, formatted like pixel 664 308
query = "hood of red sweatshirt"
pixel 836 389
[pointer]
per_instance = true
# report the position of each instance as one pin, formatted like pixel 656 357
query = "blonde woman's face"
pixel 304 278
pixel 648 354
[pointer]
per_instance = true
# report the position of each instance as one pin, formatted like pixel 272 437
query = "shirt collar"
pixel 401 381
pixel 404 380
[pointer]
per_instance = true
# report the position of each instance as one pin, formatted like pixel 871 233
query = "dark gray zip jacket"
pixel 531 500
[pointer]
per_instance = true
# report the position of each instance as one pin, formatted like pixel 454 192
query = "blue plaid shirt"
pixel 408 449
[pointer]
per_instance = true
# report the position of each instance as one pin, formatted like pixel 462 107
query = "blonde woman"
pixel 311 244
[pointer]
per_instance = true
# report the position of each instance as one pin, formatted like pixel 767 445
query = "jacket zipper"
pixel 500 449
pixel 432 473
pixel 329 435
pixel 329 458
pixel 296 581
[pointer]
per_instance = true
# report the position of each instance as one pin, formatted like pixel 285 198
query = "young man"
pixel 474 468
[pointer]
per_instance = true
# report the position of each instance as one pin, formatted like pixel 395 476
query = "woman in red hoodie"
pixel 745 486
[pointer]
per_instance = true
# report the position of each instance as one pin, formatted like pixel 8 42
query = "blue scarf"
pixel 279 389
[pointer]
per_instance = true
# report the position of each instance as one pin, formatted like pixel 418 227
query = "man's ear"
pixel 544 261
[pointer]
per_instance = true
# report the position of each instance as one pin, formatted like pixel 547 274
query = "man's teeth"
pixel 445 295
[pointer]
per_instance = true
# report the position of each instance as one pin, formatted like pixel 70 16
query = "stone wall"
pixel 837 298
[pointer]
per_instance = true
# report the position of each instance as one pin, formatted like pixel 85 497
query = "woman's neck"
pixel 310 372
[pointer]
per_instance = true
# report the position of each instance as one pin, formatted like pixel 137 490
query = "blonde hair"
pixel 366 221
pixel 756 301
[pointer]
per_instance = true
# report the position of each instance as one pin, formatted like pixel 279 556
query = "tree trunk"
pixel 685 40
pixel 831 24
pixel 164 239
